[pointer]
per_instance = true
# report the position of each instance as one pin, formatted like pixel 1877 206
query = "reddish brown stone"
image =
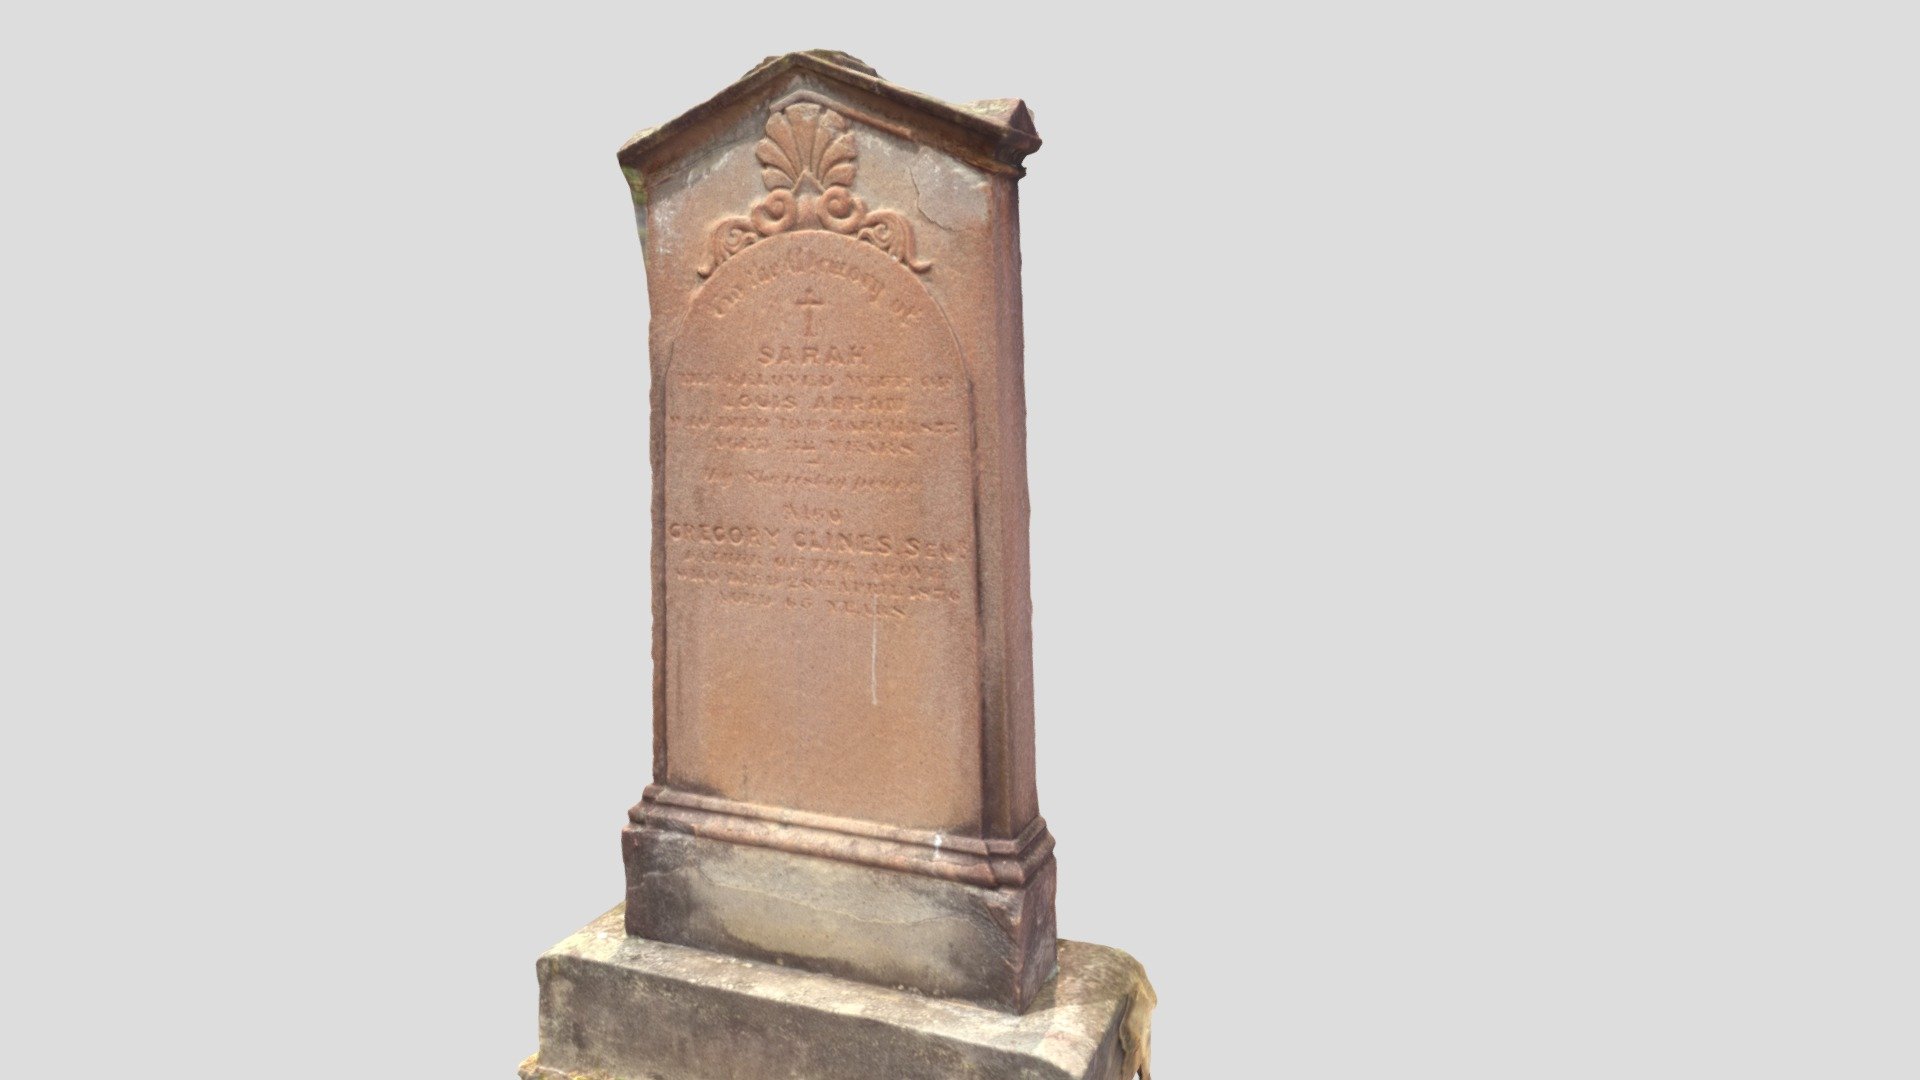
pixel 843 688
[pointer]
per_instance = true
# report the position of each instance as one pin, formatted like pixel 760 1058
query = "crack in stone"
pixel 921 209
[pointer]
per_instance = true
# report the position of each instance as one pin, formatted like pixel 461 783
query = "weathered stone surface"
pixel 822 629
pixel 615 1007
pixel 993 946
pixel 842 642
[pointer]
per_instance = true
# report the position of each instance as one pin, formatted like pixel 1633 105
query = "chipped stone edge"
pixel 1129 1027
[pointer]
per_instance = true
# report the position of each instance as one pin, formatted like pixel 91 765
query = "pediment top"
pixel 996 133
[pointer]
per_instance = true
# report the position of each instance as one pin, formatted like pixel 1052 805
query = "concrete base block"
pixel 615 1007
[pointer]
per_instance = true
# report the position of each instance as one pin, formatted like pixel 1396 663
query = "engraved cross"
pixel 807 304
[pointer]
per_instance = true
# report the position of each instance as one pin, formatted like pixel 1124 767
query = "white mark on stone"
pixel 948 194
pixel 873 655
pixel 937 840
pixel 703 169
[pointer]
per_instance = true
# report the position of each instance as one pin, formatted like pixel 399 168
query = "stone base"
pixel 992 945
pixel 614 1007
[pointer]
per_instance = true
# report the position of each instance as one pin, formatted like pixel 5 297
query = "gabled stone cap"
pixel 997 133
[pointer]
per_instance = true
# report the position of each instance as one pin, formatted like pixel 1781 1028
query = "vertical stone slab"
pixel 843 696
pixel 822 627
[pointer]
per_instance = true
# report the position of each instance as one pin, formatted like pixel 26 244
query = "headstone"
pixel 843 705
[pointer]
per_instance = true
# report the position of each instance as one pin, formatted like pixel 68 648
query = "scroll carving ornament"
pixel 808 161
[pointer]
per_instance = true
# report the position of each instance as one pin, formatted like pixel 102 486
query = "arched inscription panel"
pixel 821 630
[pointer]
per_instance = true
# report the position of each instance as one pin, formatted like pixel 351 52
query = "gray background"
pixel 1473 468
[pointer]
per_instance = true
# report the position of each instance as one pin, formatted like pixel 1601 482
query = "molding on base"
pixel 993 945
pixel 969 859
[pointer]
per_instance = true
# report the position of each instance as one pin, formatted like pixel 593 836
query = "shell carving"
pixel 807 162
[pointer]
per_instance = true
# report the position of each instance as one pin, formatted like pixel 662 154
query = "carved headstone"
pixel 843 706
pixel 840 561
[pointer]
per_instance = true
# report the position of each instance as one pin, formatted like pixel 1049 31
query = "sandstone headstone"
pixel 843 706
